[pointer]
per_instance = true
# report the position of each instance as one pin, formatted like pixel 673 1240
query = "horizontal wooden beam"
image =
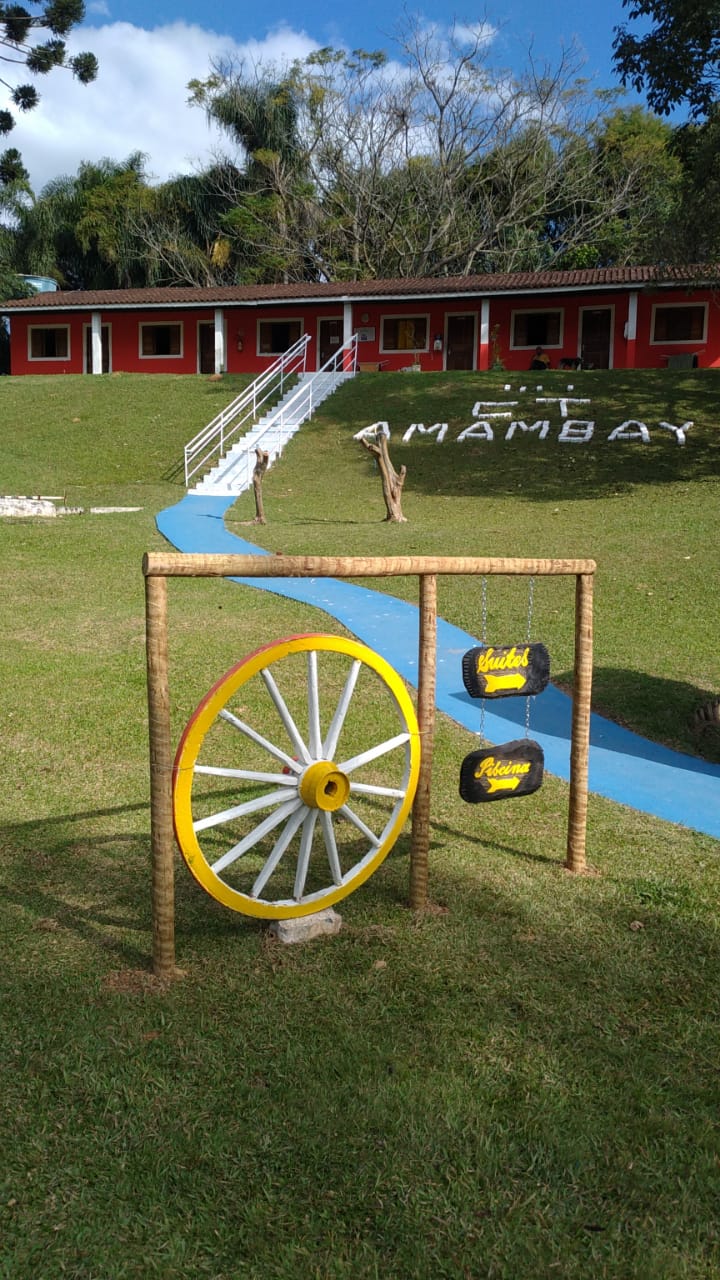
pixel 177 565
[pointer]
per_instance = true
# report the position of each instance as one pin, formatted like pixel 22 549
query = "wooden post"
pixel 161 821
pixel 261 466
pixel 580 744
pixel 392 480
pixel 427 656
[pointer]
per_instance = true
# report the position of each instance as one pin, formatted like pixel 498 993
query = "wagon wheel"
pixel 297 772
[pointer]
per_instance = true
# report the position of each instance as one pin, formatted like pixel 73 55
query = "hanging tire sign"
pixel 506 671
pixel 510 769
pixel 503 772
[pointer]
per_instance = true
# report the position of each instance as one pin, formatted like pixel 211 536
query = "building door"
pixel 460 342
pixel 330 338
pixel 105 339
pixel 206 348
pixel 595 337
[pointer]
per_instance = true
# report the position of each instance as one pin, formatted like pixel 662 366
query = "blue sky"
pixel 149 51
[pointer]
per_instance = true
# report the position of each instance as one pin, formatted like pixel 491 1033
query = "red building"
pixel 613 317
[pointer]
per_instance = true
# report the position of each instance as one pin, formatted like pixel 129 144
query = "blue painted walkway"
pixel 623 766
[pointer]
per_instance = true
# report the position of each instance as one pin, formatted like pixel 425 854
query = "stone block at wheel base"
pixel 322 924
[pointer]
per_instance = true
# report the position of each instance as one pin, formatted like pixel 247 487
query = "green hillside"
pixel 521 1081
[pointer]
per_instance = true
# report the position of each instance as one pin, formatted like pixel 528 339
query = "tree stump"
pixel 392 481
pixel 261 467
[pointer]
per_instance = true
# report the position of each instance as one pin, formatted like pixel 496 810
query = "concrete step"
pixel 233 473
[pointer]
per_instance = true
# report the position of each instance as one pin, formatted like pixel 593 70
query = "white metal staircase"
pixel 233 470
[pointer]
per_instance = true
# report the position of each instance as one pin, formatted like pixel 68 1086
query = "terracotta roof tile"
pixel 502 282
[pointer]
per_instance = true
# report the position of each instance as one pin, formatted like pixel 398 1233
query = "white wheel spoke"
pixel 330 744
pixel 281 845
pixel 279 792
pixel 365 757
pixel 261 742
pixel 268 801
pixel 347 812
pixel 258 833
pixel 328 831
pixel 365 788
pixel 281 707
pixel 303 861
pixel 314 706
pixel 248 775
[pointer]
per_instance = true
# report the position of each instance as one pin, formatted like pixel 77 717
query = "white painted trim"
pixel 404 315
pixel 318 344
pixel 272 355
pixel 536 311
pixel 96 342
pixel 33 328
pixel 485 323
pixel 677 342
pixel 220 341
pixel 473 315
pixel 160 324
pixel 611 308
pixel 631 328
pixel 104 324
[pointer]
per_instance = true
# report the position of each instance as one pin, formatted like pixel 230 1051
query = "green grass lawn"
pixel 520 1082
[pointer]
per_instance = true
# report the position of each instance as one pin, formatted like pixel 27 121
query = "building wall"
pixel 395 334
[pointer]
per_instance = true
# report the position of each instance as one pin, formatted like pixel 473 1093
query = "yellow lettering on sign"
pixel 492 768
pixel 503 662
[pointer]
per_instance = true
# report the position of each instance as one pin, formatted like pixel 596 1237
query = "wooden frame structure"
pixel 159 566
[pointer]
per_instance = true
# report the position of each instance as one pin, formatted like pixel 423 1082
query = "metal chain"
pixel 483 637
pixel 531 603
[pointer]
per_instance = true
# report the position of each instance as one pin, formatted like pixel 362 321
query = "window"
pixel 404 333
pixel 49 343
pixel 679 324
pixel 275 337
pixel 537 329
pixel 160 340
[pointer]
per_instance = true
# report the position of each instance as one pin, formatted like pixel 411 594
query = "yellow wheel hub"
pixel 323 786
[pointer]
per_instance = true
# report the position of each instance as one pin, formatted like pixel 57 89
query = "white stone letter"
pixel 476 431
pixel 576 431
pixel 439 427
pixel 631 430
pixel 680 432
pixel 542 427
pixel 373 431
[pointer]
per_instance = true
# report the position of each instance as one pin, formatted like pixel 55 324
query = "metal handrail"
pixel 344 360
pixel 294 412
pixel 213 439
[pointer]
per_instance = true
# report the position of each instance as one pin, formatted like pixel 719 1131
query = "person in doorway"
pixel 540 360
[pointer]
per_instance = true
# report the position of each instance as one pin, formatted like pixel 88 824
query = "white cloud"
pixel 480 33
pixel 139 100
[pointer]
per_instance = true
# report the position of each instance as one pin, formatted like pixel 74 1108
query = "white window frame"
pixel 161 324
pixel 397 317
pixel 273 355
pixel 34 328
pixel 537 311
pixel 678 342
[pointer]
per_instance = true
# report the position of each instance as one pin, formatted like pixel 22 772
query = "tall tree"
pixel 273 218
pixel 678 60
pixel 23 45
pixel 433 165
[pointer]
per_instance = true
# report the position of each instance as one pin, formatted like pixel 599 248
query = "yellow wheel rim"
pixel 295 776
